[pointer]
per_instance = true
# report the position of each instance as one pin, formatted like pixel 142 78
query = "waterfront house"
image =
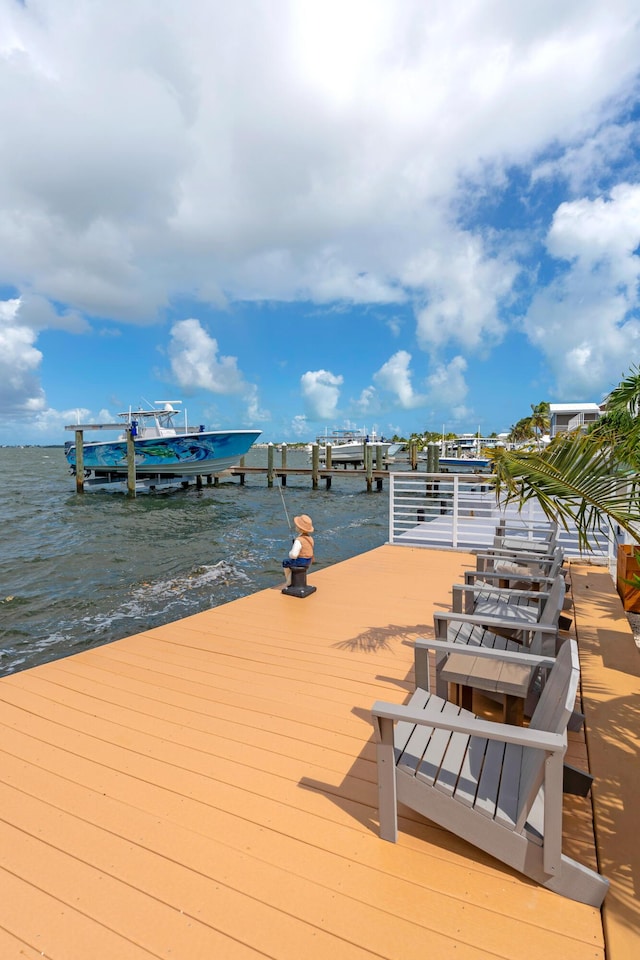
pixel 565 417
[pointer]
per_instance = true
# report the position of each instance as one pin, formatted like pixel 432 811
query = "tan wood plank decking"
pixel 207 789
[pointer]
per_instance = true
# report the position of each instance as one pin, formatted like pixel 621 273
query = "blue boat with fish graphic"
pixel 161 449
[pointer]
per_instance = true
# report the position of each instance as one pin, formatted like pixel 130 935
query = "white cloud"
pixel 21 394
pixel 395 325
pixel 310 151
pixel 255 413
pixel 585 321
pixel 448 388
pixel 395 376
pixel 466 288
pixel 197 365
pixel 299 426
pixel 592 159
pixel 307 150
pixel 321 392
pixel 368 402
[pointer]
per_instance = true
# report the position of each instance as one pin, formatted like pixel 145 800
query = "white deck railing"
pixel 460 512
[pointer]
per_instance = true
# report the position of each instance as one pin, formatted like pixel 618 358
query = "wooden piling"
pixel 79 462
pixel 283 476
pixel 413 454
pixel 315 466
pixel 270 473
pixel 131 464
pixel 368 465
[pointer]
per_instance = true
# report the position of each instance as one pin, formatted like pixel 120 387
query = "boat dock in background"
pixel 375 470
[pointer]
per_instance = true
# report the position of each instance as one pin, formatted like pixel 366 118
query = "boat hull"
pixel 464 465
pixel 354 452
pixel 182 455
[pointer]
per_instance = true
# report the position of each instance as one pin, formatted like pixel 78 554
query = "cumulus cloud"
pixel 448 388
pixel 192 147
pixel 299 426
pixel 395 376
pixel 466 289
pixel 321 392
pixel 197 365
pixel 21 393
pixel 315 151
pixel 585 320
pixel 368 402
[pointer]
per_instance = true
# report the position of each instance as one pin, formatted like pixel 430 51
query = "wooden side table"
pixel 511 680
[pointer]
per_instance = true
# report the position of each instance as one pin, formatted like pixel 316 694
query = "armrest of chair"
pixel 471 575
pixel 525 527
pixel 496 589
pixel 488 653
pixel 463 595
pixel 481 620
pixel 471 725
pixel 505 553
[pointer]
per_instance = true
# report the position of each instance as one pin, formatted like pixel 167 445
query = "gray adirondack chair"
pixel 513 568
pixel 516 562
pixel 497 786
pixel 511 634
pixel 514 608
pixel 488 596
pixel 526 539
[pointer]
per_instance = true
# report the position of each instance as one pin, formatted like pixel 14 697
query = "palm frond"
pixel 575 481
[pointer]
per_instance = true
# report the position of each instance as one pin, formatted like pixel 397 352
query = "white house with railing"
pixel 565 417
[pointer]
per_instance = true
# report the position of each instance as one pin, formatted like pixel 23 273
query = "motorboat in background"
pixel 161 449
pixel 464 465
pixel 348 446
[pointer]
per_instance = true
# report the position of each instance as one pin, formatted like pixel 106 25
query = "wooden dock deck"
pixel 207 789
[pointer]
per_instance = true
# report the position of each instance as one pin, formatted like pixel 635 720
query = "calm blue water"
pixel 79 571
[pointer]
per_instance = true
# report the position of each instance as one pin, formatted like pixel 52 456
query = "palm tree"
pixel 540 419
pixel 591 480
pixel 521 431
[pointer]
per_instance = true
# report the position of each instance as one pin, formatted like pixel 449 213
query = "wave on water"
pixel 165 600
pixel 77 572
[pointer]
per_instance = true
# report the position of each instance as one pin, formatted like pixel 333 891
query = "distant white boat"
pixel 161 449
pixel 348 446
pixel 464 465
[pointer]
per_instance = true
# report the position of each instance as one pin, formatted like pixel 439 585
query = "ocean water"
pixel 77 571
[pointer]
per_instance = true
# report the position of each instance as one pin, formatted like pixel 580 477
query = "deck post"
pixel 379 457
pixel 368 465
pixel 315 465
pixel 270 465
pixel 413 454
pixel 327 456
pixel 79 462
pixel 283 476
pixel 131 463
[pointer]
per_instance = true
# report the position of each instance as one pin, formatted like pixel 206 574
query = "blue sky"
pixel 307 215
